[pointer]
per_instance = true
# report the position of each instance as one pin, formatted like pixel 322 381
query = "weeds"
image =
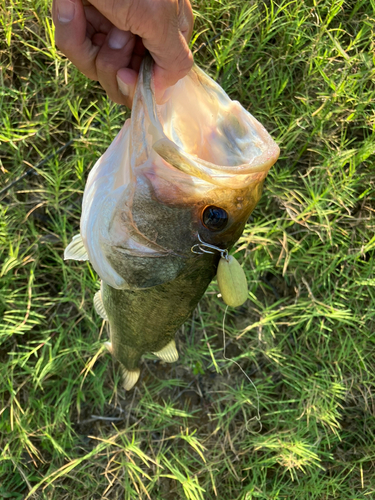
pixel 306 334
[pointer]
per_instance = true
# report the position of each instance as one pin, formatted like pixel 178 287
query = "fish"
pixel 179 177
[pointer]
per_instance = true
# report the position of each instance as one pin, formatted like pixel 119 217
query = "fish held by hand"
pixel 185 171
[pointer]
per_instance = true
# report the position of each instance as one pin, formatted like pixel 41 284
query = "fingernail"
pixel 123 87
pixel 65 10
pixel 117 38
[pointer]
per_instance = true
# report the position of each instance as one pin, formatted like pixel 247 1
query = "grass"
pixel 305 336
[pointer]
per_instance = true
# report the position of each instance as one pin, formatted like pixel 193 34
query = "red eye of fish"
pixel 214 218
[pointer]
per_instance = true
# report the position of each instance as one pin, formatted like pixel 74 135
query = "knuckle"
pixel 189 60
pixel 106 67
pixel 117 97
pixel 184 62
pixel 62 43
pixel 121 13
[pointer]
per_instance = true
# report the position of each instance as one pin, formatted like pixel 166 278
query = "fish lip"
pixel 233 177
pixel 261 164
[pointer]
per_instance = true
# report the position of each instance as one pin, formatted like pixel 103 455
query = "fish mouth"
pixel 201 132
pixel 234 177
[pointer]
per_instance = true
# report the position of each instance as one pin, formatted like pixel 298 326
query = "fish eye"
pixel 214 218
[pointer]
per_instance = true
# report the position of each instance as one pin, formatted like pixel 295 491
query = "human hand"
pixel 107 40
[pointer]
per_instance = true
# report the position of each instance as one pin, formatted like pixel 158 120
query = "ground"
pixel 198 429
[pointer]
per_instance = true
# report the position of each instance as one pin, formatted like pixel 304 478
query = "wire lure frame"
pixel 204 247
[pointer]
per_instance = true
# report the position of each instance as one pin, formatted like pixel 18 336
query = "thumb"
pixel 168 44
pixel 170 67
pixel 164 27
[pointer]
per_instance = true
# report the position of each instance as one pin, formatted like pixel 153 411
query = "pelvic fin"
pixel 108 346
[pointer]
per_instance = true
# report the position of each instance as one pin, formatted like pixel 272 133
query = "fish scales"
pixel 188 170
pixel 154 315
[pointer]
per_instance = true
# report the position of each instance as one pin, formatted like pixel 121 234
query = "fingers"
pixel 126 82
pixel 127 77
pixel 171 65
pixel 100 41
pixel 169 46
pixel 96 47
pixel 165 26
pixel 185 19
pixel 70 35
pixel 115 53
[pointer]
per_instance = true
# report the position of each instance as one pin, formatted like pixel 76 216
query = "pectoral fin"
pixel 169 353
pixel 99 306
pixel 109 347
pixel 76 250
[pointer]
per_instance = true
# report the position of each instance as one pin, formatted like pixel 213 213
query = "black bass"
pixel 179 175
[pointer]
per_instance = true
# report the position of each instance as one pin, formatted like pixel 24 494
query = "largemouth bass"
pixel 179 175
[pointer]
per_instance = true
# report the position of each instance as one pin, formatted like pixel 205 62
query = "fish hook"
pixel 204 247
